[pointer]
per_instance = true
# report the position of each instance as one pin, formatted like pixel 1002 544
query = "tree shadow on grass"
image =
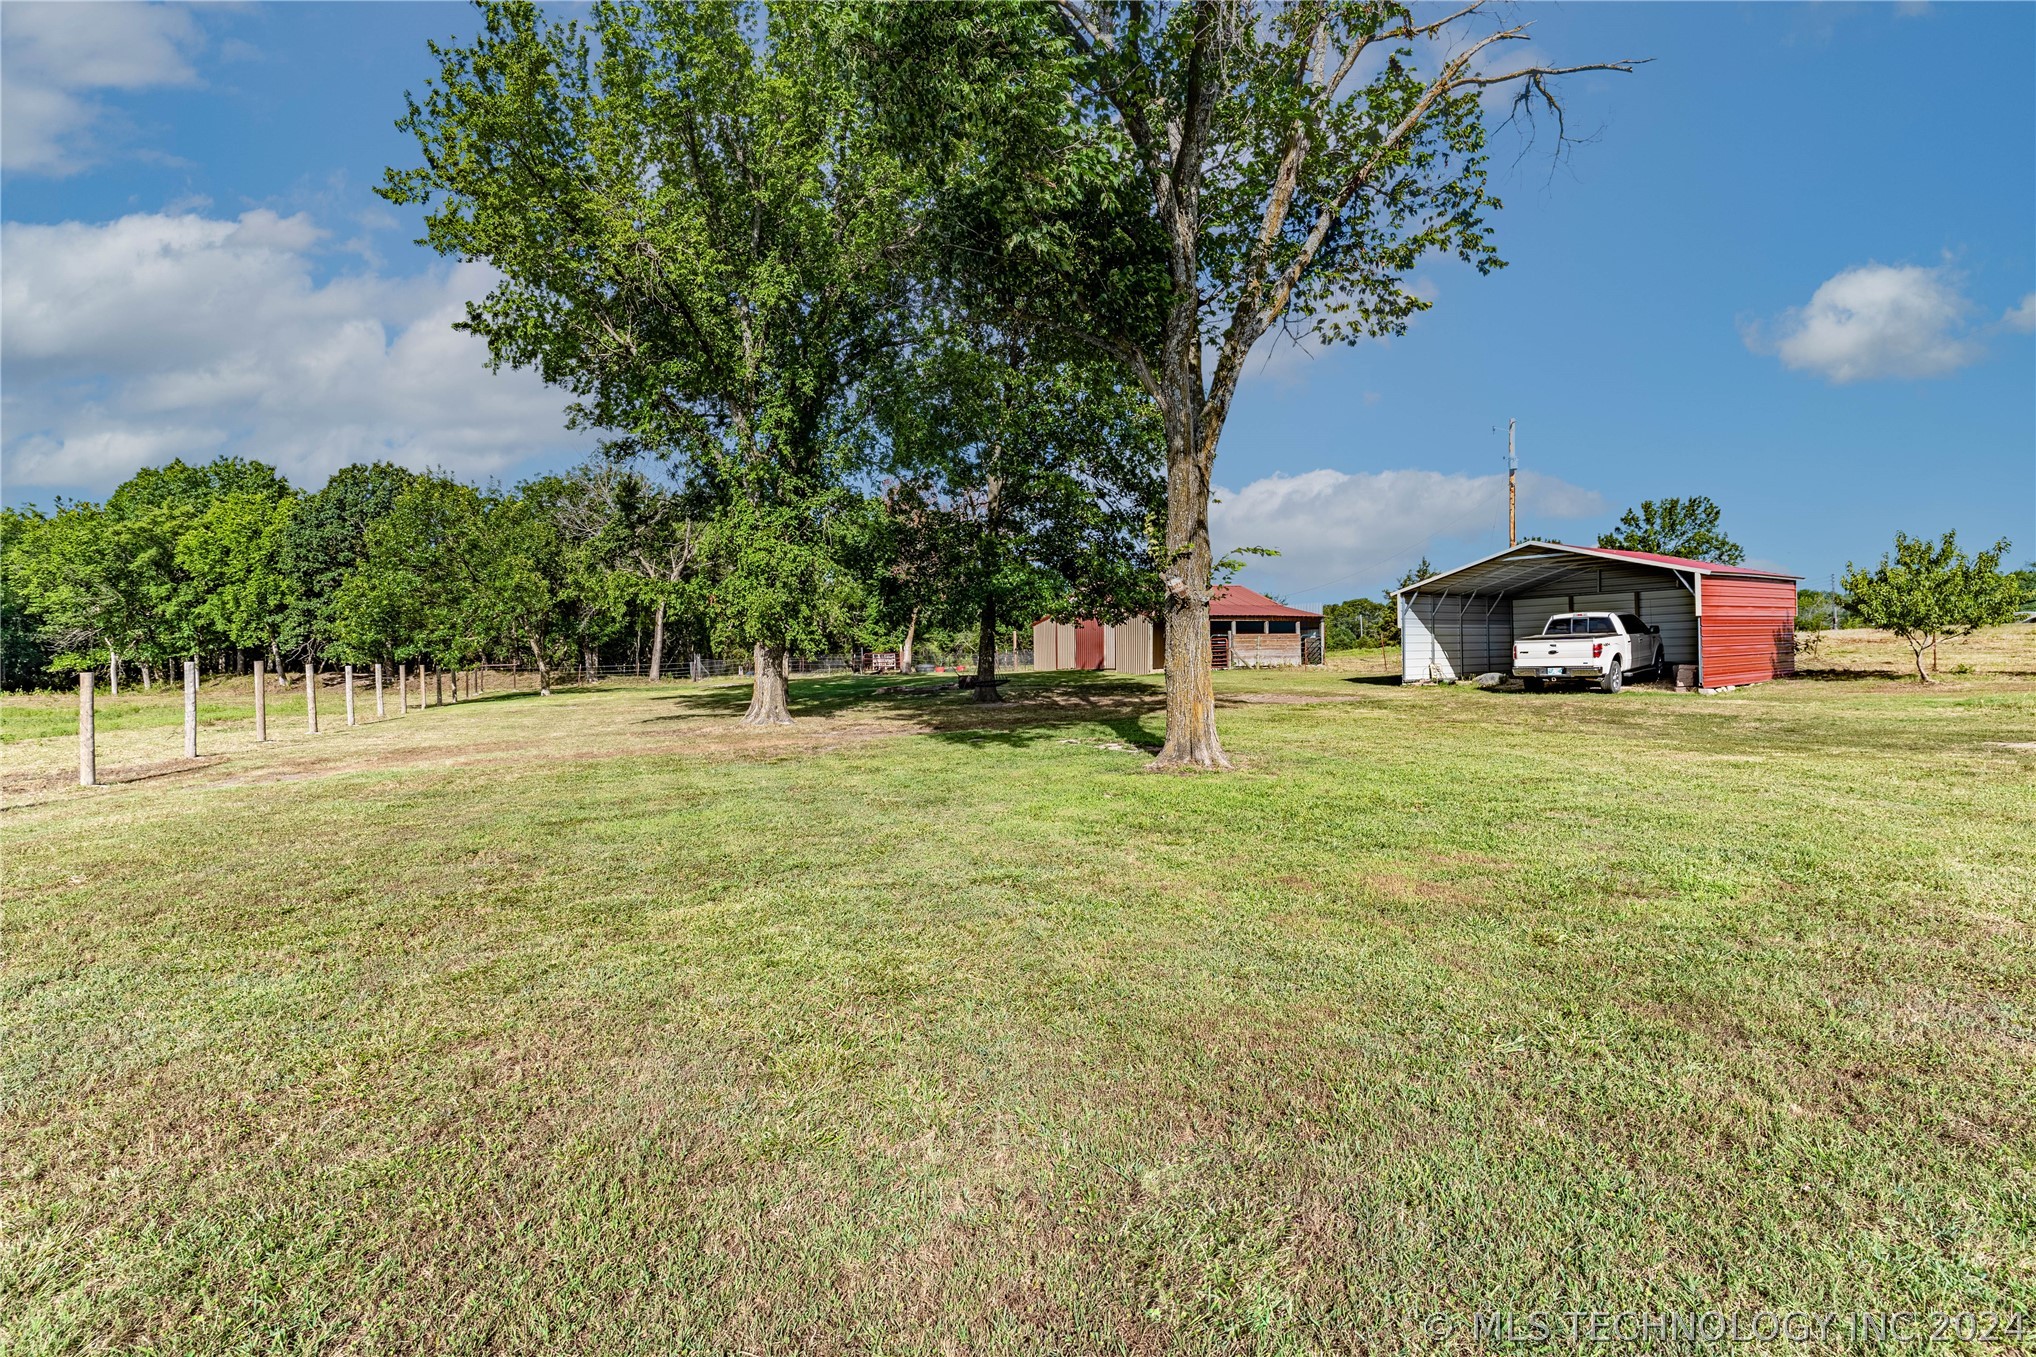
pixel 1036 707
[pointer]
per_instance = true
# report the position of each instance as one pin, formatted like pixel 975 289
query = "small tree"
pixel 1025 478
pixel 1420 572
pixel 1928 591
pixel 1675 527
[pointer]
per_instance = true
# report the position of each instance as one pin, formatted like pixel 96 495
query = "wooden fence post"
pixel 311 696
pixel 380 710
pixel 88 749
pixel 403 689
pixel 349 695
pixel 261 706
pixel 190 709
pixel 438 683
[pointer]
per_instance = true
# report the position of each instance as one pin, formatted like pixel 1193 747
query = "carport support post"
pixel 380 710
pixel 190 709
pixel 261 706
pixel 311 696
pixel 349 695
pixel 88 751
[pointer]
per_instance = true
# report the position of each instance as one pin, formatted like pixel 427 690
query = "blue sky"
pixel 1789 269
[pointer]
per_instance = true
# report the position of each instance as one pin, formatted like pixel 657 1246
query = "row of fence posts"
pixel 88 742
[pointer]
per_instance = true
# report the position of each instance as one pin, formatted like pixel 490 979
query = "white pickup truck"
pixel 1600 647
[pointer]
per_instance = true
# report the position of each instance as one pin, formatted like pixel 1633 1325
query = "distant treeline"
pixel 617 561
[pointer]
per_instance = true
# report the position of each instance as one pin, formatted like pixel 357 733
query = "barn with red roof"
pixel 1247 630
pixel 1736 624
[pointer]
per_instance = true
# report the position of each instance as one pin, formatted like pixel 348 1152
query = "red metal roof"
pixel 1234 600
pixel 1681 562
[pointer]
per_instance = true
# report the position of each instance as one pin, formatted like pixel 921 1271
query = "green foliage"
pixel 1927 591
pixel 697 239
pixel 1675 527
pixel 450 573
pixel 325 541
pixel 24 650
pixel 195 487
pixel 1360 622
pixel 1821 610
pixel 2025 586
pixel 233 555
pixel 1420 571
pixel 1025 482
pixel 788 573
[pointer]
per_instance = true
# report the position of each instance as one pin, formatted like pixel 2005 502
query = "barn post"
pixel 88 749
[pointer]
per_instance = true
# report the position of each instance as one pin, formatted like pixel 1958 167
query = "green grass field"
pixel 596 1024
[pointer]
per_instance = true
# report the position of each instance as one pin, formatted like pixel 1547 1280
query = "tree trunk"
pixel 1922 673
pixel 657 642
pixel 767 704
pixel 543 675
pixel 986 655
pixel 905 651
pixel 1191 740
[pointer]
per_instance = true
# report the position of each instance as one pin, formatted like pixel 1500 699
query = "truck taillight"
pixel 1597 649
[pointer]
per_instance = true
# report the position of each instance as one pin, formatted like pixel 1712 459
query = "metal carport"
pixel 1463 622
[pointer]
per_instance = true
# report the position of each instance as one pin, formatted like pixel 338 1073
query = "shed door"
pixel 1088 645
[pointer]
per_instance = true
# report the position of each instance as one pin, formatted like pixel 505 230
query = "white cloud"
pixel 1347 533
pixel 2022 315
pixel 1876 321
pixel 156 336
pixel 53 56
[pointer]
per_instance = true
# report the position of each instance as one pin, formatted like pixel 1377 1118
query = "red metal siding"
pixel 1748 631
pixel 1088 645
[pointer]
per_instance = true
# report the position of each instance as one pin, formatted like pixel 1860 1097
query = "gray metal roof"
pixel 1523 568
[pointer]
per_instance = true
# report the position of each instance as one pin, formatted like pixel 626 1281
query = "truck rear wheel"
pixel 1614 678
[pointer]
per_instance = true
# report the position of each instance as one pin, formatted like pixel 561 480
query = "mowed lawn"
pixel 595 1024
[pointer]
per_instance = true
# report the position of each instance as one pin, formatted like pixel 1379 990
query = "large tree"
pixel 1195 176
pixel 697 239
pixel 1675 527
